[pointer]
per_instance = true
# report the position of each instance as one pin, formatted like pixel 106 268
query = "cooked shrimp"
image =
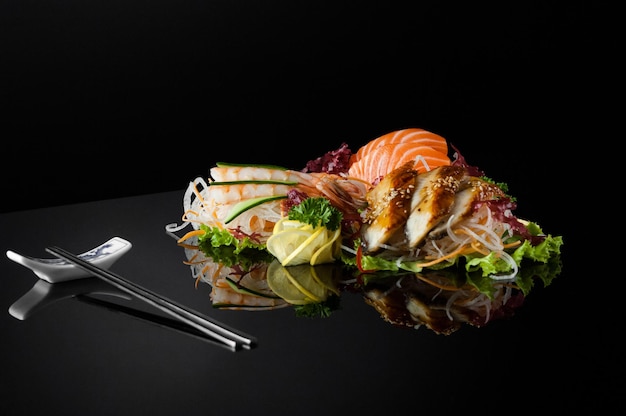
pixel 255 292
pixel 346 194
pixel 210 203
pixel 224 194
pixel 230 173
pixel 227 298
pixel 340 190
pixel 205 270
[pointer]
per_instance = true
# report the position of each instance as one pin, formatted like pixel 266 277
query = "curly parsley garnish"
pixel 317 211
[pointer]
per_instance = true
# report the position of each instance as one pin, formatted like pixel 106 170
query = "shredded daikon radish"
pixel 420 159
pixel 514 268
pixel 493 246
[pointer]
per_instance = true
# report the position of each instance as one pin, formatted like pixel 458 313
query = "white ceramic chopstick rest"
pixel 55 270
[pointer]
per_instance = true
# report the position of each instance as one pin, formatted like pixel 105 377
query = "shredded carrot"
pixel 194 260
pixel 513 244
pixel 188 246
pixel 474 247
pixel 442 258
pixel 187 213
pixel 202 272
pixel 478 247
pixel 191 263
pixel 190 234
pixel 221 283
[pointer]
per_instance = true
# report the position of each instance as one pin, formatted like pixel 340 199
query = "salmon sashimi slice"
pixel 416 136
pixel 382 160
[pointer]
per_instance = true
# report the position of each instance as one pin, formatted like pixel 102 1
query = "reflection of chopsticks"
pixel 160 321
pixel 201 323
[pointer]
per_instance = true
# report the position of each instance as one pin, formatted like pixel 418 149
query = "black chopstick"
pixel 220 332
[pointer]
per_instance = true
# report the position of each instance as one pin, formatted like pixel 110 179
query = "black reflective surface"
pixel 112 355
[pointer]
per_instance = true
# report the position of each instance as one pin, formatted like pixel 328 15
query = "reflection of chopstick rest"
pixel 43 294
pixel 57 270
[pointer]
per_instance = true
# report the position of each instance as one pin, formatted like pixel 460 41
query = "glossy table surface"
pixel 73 354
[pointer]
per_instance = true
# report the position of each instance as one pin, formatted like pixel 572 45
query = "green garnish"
pixel 243 206
pixel 224 248
pixel 252 165
pixel 317 211
pixel 318 309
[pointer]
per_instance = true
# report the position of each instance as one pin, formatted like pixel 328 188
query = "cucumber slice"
pixel 226 164
pixel 243 206
pixel 246 291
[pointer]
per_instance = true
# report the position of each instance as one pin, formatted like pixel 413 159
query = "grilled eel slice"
pixel 432 201
pixel 405 208
pixel 472 190
pixel 388 207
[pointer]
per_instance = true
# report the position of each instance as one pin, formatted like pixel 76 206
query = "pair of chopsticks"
pixel 215 330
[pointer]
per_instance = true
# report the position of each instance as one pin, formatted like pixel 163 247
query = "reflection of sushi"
pixel 380 156
pixel 435 302
pixel 242 290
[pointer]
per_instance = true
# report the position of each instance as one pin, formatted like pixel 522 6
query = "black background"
pixel 107 99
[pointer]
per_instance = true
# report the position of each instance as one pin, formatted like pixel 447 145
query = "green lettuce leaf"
pixel 224 248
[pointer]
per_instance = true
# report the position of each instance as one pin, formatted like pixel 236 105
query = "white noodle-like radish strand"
pixel 173 227
pixel 348 249
pixel 450 302
pixel 421 159
pixel 484 242
pixel 389 247
pixel 490 231
pixel 512 263
pixel 508 292
pixel 436 247
pixel 488 308
pixel 451 233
